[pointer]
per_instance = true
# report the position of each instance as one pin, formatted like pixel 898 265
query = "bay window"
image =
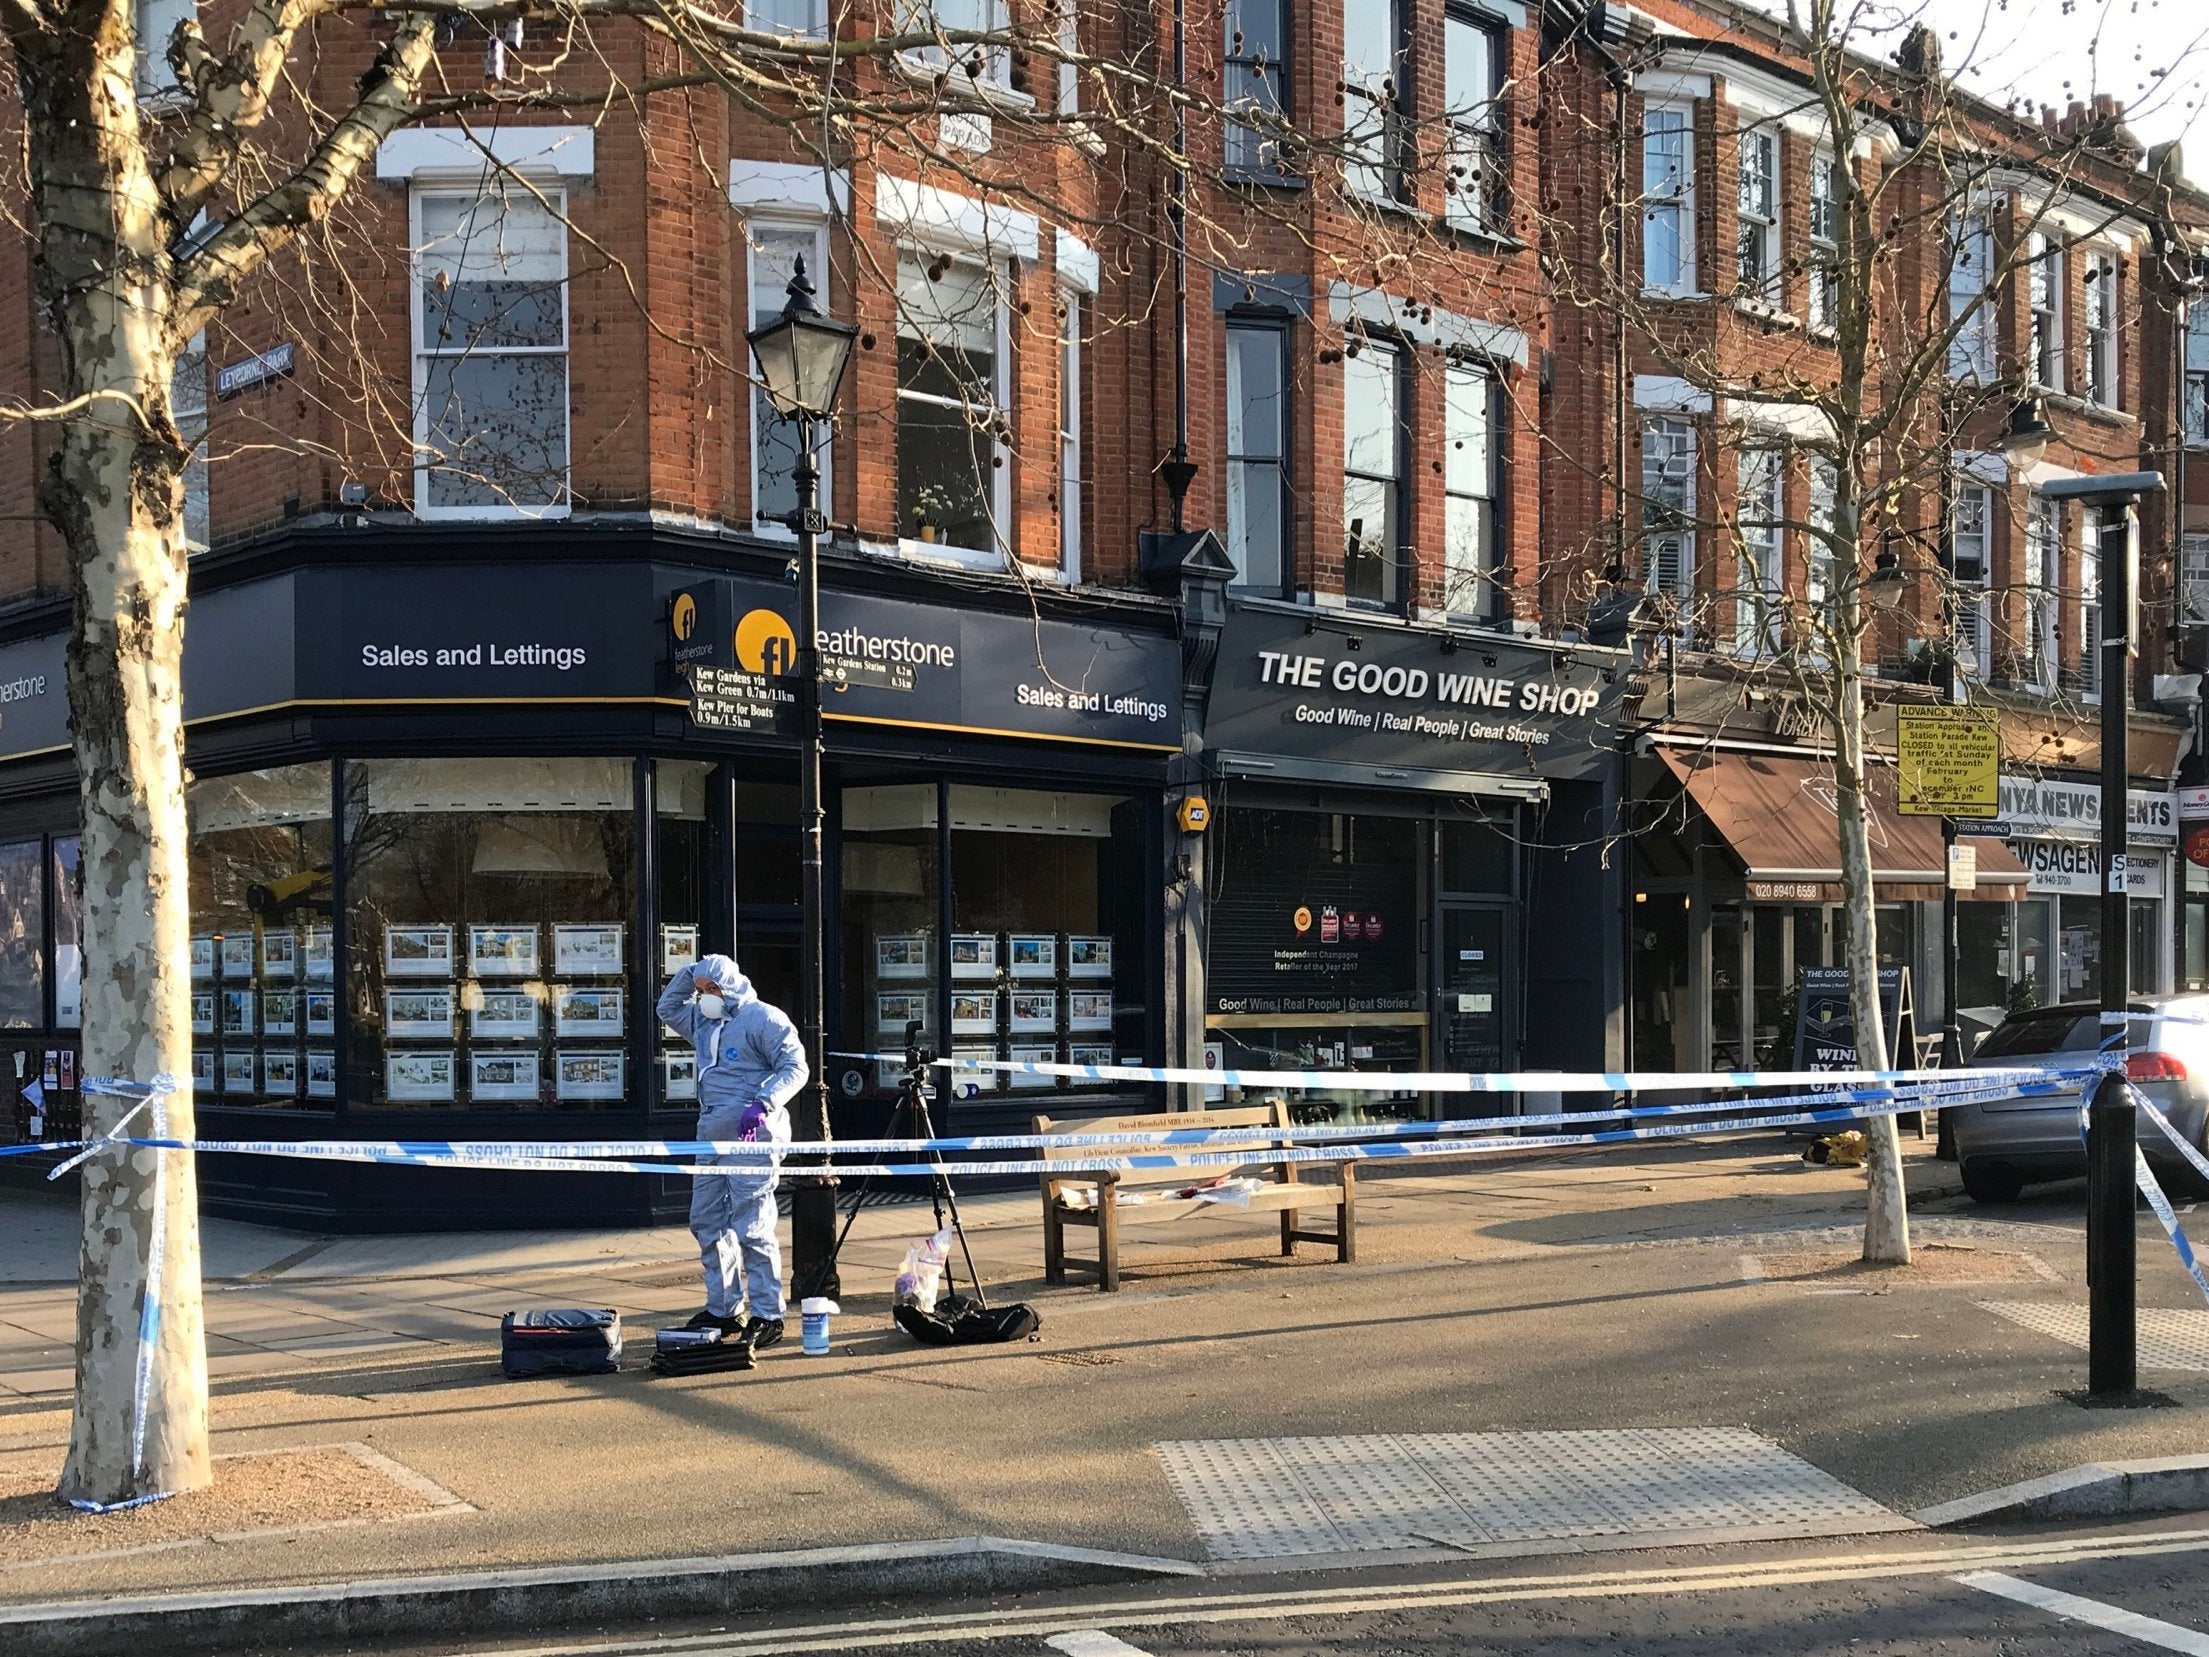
pixel 773 250
pixel 490 352
pixel 1258 451
pixel 1469 488
pixel 1668 199
pixel 1373 448
pixel 951 336
pixel 1255 89
pixel 1757 237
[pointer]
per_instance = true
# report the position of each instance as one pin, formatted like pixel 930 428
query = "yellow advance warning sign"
pixel 1948 762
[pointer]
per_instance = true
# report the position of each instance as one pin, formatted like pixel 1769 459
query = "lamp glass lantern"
pixel 802 354
pixel 2025 439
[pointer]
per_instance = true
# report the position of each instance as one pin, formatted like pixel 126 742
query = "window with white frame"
pixel 1825 238
pixel 1668 198
pixel 1258 451
pixel 788 17
pixel 2036 608
pixel 1069 433
pixel 1757 237
pixel 1970 558
pixel 1668 508
pixel 2044 298
pixel 188 407
pixel 1760 514
pixel 2101 329
pixel 1469 488
pixel 979 62
pixel 1375 63
pixel 156 22
pixel 1374 444
pixel 2197 367
pixel 1472 73
pixel 1822 564
pixel 2193 578
pixel 951 336
pixel 490 351
pixel 1970 315
pixel 774 249
pixel 1256 87
pixel 2088 674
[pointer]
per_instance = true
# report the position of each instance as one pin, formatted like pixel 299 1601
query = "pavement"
pixel 1676 1286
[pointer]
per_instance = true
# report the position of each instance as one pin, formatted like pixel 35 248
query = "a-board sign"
pixel 1825 1027
pixel 1948 762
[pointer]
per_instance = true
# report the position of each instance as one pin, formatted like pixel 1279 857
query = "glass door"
pixel 1476 988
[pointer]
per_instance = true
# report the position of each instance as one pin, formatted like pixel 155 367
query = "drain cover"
pixel 1270 1498
pixel 2169 1339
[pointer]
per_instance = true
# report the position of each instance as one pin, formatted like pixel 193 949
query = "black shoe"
pixel 703 1319
pixel 761 1333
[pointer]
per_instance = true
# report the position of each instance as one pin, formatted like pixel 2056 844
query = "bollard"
pixel 813 1313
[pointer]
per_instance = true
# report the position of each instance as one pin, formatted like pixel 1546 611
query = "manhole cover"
pixel 1268 1498
pixel 2169 1339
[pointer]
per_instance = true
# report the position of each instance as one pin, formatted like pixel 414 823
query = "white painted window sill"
pixel 923 71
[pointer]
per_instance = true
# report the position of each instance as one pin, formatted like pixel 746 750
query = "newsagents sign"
pixel 2035 808
pixel 1362 690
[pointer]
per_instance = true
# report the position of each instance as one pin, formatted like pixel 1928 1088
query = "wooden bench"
pixel 1293 1187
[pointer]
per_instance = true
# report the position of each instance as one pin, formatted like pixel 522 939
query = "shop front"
pixel 1412 864
pixel 453 827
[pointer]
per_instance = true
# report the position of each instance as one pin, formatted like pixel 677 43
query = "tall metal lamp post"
pixel 802 356
pixel 2112 1354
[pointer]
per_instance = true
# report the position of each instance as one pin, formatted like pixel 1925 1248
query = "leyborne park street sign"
pixel 1948 762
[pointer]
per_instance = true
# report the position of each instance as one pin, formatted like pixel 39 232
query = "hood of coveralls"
pixel 725 976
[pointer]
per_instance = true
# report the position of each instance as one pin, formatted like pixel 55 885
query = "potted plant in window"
pixel 932 509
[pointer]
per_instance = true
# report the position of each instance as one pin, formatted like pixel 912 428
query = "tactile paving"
pixel 2169 1339
pixel 1269 1498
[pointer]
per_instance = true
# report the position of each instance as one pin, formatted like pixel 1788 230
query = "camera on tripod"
pixel 918 1059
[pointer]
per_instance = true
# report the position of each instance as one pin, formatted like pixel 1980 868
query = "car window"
pixel 2058 1030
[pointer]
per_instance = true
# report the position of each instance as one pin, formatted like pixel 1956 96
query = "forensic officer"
pixel 750 1064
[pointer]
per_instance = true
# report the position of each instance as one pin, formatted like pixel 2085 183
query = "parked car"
pixel 2003 1145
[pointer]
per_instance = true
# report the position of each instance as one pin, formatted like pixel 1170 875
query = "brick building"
pixel 1370 487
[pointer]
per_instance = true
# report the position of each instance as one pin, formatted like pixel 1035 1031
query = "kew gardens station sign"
pixel 1342 687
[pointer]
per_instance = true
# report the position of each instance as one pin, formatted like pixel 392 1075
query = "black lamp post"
pixel 802 356
pixel 2112 1353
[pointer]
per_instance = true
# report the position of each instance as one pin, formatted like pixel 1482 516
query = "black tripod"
pixel 911 1110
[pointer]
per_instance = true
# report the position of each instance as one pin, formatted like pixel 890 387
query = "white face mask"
pixel 712 1007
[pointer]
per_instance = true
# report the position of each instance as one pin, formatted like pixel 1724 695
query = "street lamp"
pixel 802 356
pixel 2112 1355
pixel 2025 439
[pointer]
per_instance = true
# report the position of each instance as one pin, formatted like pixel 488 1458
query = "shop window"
pixel 685 863
pixel 1376 56
pixel 1258 452
pixel 23 935
pixel 1473 55
pixel 1825 239
pixel 1668 199
pixel 491 352
pixel 68 900
pixel 1970 314
pixel 892 931
pixel 775 251
pixel 951 480
pixel 1469 485
pixel 1757 222
pixel 1256 85
pixel 265 1018
pixel 488 930
pixel 1374 444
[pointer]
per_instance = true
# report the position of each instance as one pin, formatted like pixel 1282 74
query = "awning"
pixel 1779 816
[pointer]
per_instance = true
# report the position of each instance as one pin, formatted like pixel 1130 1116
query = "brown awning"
pixel 1777 814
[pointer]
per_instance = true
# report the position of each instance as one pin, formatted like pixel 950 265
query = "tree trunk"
pixel 1886 1207
pixel 114 491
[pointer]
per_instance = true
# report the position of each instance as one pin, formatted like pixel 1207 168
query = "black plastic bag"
pixel 958 1321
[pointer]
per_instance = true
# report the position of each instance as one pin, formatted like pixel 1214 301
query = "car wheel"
pixel 1990 1182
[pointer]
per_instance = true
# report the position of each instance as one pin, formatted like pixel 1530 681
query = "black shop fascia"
pixel 454 824
pixel 1410 850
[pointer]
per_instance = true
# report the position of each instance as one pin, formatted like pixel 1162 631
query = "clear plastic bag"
pixel 920 1279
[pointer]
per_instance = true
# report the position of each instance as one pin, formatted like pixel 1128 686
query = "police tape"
pixel 2143 1176
pixel 1953 1089
pixel 1445 1081
pixel 752 1158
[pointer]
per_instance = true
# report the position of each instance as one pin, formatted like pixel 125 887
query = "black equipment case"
pixel 561 1341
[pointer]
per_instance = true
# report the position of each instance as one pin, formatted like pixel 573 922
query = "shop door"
pixel 1476 998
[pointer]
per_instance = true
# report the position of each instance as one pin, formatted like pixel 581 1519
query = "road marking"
pixel 1167 1611
pixel 2092 1612
pixel 1091 1642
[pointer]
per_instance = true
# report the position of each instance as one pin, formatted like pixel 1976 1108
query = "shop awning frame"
pixel 1336 774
